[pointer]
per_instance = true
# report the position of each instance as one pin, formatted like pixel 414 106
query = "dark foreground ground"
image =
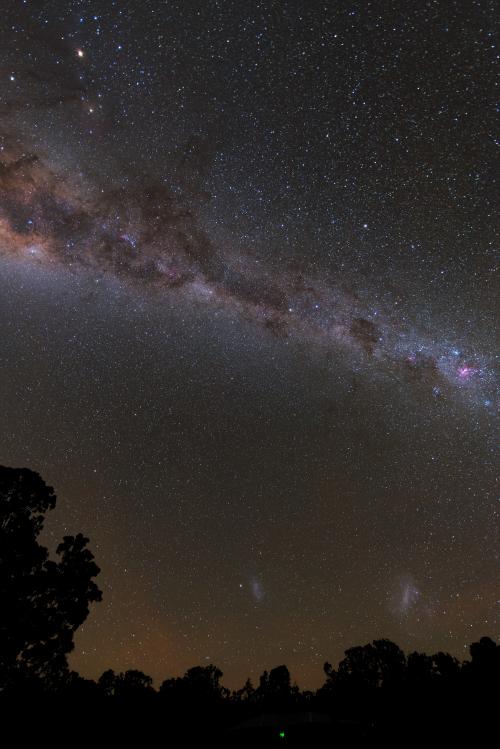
pixel 60 724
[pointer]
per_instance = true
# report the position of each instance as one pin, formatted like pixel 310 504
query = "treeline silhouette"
pixel 375 693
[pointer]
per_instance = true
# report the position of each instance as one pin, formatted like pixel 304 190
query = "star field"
pixel 249 309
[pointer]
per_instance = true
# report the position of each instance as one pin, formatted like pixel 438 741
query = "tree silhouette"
pixel 246 693
pixel 360 667
pixel 420 670
pixel 42 601
pixel 199 685
pixel 483 670
pixel 129 686
pixel 485 656
pixel 275 690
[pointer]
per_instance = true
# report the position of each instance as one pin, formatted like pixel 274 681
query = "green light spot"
pixel 282 734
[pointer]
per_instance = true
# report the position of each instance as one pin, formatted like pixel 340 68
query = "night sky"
pixel 248 312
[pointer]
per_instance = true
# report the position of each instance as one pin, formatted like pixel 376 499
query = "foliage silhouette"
pixel 42 601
